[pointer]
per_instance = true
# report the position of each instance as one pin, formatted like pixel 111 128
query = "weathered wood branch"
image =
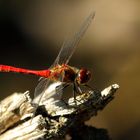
pixel 53 118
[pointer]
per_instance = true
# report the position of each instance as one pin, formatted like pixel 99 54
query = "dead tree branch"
pixel 52 120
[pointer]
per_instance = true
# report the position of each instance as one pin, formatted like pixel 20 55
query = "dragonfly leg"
pixel 79 91
pixel 74 93
pixel 76 90
pixel 60 89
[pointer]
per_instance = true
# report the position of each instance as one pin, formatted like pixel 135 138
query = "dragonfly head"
pixel 83 76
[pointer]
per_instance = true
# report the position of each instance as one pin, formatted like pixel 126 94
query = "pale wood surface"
pixel 18 121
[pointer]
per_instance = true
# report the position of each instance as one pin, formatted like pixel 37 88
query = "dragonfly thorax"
pixel 63 73
pixel 68 74
pixel 72 74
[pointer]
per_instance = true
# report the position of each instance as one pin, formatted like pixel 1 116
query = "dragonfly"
pixel 60 70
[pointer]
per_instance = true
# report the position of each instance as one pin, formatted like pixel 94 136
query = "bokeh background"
pixel 32 32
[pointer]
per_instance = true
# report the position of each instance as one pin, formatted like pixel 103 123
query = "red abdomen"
pixel 41 73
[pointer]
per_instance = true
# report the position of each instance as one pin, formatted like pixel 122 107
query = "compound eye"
pixel 84 76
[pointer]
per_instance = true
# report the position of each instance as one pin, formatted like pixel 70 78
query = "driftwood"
pixel 54 119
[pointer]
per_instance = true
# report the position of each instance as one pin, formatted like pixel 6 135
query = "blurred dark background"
pixel 31 35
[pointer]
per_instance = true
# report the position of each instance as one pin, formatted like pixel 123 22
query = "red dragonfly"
pixel 60 70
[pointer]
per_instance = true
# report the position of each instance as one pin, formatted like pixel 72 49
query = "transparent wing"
pixel 69 46
pixel 47 89
pixel 40 90
pixel 62 58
